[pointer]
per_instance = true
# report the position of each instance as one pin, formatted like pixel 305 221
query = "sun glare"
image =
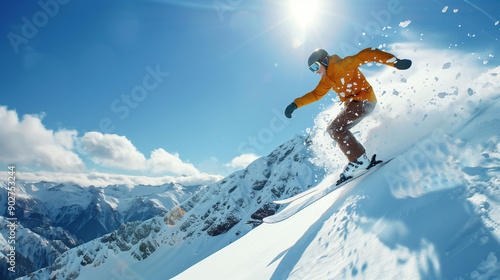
pixel 303 12
pixel 304 16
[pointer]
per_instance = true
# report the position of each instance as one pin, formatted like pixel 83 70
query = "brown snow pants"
pixel 351 115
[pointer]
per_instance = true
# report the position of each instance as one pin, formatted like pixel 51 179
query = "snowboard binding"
pixel 342 179
pixel 373 162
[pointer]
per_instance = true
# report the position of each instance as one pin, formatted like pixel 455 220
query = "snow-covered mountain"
pixel 33 251
pixel 55 217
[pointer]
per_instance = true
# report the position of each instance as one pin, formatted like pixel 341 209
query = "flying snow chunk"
pixel 490 264
pixel 445 9
pixel 391 60
pixel 447 65
pixel 496 23
pixel 455 11
pixel 404 24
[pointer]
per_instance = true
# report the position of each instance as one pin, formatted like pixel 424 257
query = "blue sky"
pixel 196 83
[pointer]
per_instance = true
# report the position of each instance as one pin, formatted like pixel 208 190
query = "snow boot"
pixel 354 167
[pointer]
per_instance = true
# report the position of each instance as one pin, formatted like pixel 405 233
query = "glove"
pixel 402 64
pixel 289 110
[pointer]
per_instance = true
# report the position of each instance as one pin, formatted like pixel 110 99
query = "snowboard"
pixel 313 195
pixel 374 162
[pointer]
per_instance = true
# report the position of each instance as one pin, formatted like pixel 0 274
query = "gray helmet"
pixel 319 55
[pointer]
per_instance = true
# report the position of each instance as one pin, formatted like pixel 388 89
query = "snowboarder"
pixel 344 77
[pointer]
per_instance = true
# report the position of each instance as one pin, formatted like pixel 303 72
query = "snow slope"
pixel 432 213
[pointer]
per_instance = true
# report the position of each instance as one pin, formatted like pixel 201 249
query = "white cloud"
pixel 242 161
pixel 162 161
pixel 66 138
pixel 28 142
pixel 111 150
pixel 105 179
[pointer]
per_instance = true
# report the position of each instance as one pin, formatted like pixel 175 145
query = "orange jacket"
pixel 344 77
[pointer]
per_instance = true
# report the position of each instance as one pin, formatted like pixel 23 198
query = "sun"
pixel 304 17
pixel 303 12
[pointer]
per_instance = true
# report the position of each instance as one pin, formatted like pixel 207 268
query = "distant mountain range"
pixel 54 217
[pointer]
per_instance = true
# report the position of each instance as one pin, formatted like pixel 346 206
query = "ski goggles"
pixel 314 67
